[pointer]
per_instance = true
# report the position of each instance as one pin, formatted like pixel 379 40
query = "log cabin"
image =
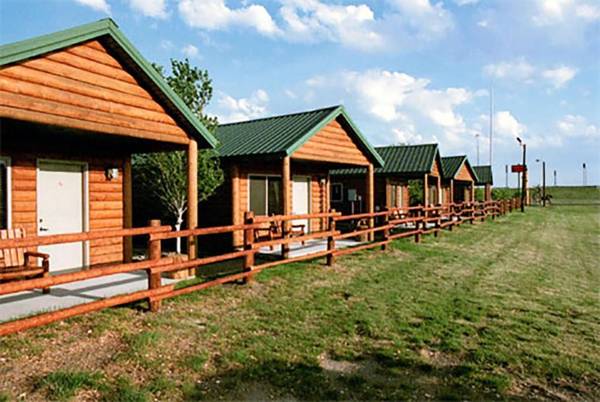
pixel 74 106
pixel 279 166
pixel 485 179
pixel 402 164
pixel 458 178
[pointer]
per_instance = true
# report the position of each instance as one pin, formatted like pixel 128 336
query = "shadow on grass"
pixel 367 377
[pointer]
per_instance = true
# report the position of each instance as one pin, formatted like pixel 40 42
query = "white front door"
pixel 301 200
pixel 61 209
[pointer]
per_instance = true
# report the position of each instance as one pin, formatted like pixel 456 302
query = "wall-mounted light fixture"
pixel 111 173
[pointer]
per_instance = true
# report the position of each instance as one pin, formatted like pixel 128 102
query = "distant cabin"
pixel 403 163
pixel 485 179
pixel 458 178
pixel 280 165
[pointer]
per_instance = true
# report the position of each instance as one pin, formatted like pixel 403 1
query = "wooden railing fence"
pixel 370 230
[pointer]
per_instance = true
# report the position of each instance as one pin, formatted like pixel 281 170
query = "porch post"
pixel 472 192
pixel 488 192
pixel 451 191
pixel 235 201
pixel 425 190
pixel 192 210
pixel 439 189
pixel 370 197
pixel 287 205
pixel 127 208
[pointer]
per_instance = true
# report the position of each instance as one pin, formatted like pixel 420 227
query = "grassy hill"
pixel 574 195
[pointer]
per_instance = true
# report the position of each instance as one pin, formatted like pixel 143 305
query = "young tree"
pixel 161 178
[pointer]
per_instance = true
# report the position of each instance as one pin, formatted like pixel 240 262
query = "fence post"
pixel 386 230
pixel 418 224
pixel 451 216
pixel 331 240
pixel 248 244
pixel 154 279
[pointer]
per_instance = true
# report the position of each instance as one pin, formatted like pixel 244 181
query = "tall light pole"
pixel 477 140
pixel 543 180
pixel 554 177
pixel 491 120
pixel 524 181
pixel 506 174
pixel 584 174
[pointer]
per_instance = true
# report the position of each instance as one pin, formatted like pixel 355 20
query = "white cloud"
pixel 577 126
pixel 521 71
pixel 423 19
pixel 483 23
pixel 559 76
pixel 466 2
pixel 98 5
pixel 166 44
pixel 518 70
pixel 215 15
pixel 313 20
pixel 233 110
pixel 150 8
pixel 404 103
pixel 190 51
pixel 553 12
pixel 507 126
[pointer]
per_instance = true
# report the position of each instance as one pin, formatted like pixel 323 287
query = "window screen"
pixel 258 195
pixel 274 201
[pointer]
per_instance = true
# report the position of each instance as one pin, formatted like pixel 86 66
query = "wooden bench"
pixel 17 263
pixel 274 231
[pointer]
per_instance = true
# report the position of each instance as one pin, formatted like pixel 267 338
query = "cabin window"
pixel 337 192
pixel 265 195
pixel 4 193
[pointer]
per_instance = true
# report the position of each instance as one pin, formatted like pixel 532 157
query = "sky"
pixel 407 71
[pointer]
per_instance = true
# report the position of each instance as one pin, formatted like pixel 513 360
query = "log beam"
pixel 192 210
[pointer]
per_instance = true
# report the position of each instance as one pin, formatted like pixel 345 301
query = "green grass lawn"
pixel 500 310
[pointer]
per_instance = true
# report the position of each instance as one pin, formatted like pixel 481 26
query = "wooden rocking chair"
pixel 274 231
pixel 17 263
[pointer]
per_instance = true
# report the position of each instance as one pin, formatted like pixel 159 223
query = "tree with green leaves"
pixel 160 179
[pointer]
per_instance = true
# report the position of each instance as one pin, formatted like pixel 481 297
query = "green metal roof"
pixel 484 175
pixel 283 135
pixel 401 159
pixel 451 166
pixel 19 51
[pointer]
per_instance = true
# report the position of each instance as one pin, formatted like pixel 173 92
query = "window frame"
pixel 5 160
pixel 266 178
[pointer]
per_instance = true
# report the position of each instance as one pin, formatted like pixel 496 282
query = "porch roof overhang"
pixel 108 33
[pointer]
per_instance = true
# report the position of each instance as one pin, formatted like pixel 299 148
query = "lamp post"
pixel 477 139
pixel 543 180
pixel 524 181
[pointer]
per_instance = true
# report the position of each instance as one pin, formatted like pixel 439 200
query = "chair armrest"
pixel 36 254
pixel 29 255
pixel 302 226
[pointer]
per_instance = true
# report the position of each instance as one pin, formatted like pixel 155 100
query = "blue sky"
pixel 408 71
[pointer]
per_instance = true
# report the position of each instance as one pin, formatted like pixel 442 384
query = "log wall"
pixel 84 87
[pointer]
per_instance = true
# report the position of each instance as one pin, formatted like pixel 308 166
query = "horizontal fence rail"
pixel 369 230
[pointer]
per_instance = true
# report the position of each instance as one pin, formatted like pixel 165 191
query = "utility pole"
pixel 506 173
pixel 491 120
pixel 477 139
pixel 524 169
pixel 554 177
pixel 584 175
pixel 544 183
